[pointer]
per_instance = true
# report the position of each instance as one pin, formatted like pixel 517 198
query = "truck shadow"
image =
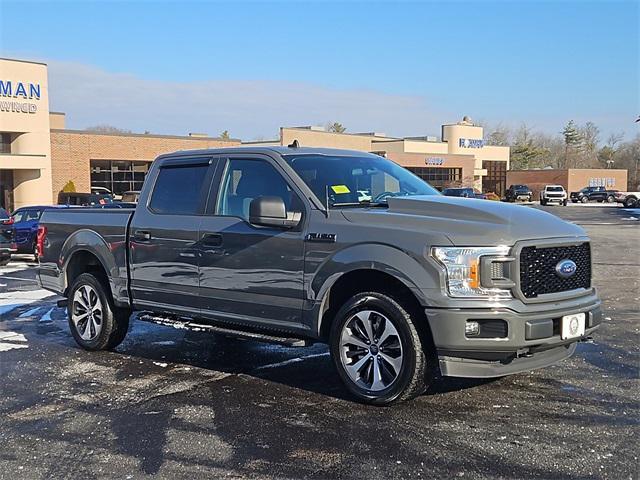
pixel 305 368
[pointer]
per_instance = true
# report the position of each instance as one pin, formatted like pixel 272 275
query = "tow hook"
pixel 524 352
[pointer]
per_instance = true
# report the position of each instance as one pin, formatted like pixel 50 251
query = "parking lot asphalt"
pixel 175 404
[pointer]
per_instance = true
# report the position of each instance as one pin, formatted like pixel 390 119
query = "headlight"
pixel 462 267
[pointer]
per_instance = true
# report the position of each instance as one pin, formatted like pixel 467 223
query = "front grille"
pixel 538 274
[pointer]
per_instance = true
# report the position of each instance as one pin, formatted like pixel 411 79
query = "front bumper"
pixel 531 340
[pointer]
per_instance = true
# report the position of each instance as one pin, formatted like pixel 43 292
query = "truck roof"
pixel 267 150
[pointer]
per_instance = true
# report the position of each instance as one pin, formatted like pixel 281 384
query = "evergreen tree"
pixel 571 140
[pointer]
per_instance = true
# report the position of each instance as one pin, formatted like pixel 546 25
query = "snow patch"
pixel 7 340
pixel 12 300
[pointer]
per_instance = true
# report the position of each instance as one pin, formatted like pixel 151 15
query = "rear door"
pixel 164 236
pixel 251 274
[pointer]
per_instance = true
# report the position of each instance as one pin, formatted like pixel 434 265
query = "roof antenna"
pixel 294 144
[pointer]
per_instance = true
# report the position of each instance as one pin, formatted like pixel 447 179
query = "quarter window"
pixel 178 190
pixel 245 180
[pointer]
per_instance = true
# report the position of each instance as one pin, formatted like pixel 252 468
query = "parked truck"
pixel 628 199
pixel 593 194
pixel 276 244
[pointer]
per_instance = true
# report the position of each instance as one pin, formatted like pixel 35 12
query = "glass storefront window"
pixel 438 177
pixel 496 178
pixel 119 176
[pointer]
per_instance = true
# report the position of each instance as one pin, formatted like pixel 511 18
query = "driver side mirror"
pixel 272 212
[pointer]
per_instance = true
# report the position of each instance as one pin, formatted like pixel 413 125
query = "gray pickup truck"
pixel 280 244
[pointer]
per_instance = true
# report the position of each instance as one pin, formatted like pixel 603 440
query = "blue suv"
pixel 25 227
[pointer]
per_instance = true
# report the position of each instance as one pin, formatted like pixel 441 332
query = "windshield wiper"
pixel 363 203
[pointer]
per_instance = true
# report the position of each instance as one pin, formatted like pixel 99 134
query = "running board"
pixel 183 323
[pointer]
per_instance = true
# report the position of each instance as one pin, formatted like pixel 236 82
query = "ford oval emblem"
pixel 566 268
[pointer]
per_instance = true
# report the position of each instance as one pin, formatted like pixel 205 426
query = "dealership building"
pixel 460 158
pixel 39 156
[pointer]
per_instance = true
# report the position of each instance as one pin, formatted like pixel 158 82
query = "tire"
pixel 629 202
pixel 373 314
pixel 106 326
pixel 611 199
pixel 543 203
pixel 584 199
pixel 564 203
pixel 5 260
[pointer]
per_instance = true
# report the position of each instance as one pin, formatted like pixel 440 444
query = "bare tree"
pixel 103 128
pixel 225 135
pixel 498 135
pixel 589 139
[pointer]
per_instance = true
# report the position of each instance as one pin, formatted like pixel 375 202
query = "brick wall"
pixel 71 152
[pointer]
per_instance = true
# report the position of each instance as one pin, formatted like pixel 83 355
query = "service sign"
pixel 434 161
pixel 19 97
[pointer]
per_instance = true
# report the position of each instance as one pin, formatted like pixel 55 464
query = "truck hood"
pixel 467 221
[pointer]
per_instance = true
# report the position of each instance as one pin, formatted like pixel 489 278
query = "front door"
pixel 164 237
pixel 26 227
pixel 251 274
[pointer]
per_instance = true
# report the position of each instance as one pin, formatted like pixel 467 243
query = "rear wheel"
pixel 95 323
pixel 377 351
pixel 5 260
pixel 629 202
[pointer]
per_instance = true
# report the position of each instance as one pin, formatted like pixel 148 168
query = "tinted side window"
pixel 178 190
pixel 245 180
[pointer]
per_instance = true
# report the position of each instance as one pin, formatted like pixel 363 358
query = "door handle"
pixel 142 236
pixel 212 240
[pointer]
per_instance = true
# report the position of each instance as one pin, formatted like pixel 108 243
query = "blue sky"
pixel 399 67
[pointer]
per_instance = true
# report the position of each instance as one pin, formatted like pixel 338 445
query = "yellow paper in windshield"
pixel 340 189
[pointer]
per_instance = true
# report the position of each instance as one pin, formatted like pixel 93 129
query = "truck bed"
pixel 103 232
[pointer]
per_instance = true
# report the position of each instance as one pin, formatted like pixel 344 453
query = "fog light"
pixel 471 329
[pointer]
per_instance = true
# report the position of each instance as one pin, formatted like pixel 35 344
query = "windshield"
pixel 554 189
pixel 356 180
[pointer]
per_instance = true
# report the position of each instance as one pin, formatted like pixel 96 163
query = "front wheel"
pixel 5 260
pixel 611 199
pixel 377 351
pixel 584 199
pixel 95 323
pixel 564 203
pixel 543 202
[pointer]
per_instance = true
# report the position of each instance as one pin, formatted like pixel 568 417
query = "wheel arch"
pixel 85 251
pixel 360 280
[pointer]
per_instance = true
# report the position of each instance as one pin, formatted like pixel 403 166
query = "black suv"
pixel 518 192
pixel 84 199
pixel 7 242
pixel 593 194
